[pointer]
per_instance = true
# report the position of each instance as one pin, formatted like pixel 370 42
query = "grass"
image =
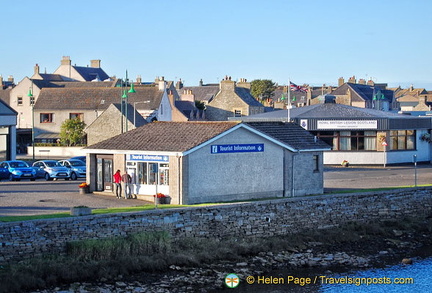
pixel 93 260
pixel 152 207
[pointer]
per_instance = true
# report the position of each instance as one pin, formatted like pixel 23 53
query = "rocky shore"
pixel 315 257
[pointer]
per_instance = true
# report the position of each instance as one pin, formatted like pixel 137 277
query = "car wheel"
pixel 47 177
pixel 33 179
pixel 74 176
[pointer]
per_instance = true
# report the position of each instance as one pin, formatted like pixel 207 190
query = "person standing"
pixel 117 181
pixel 127 182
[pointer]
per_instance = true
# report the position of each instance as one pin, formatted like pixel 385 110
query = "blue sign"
pixel 237 148
pixel 148 158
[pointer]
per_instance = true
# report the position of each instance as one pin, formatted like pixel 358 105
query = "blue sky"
pixel 310 41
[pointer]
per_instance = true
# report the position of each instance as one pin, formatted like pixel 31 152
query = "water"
pixel 412 278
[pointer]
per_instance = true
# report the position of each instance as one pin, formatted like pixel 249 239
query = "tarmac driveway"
pixel 46 197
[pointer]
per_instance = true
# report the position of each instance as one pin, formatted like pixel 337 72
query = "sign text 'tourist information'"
pixel 237 148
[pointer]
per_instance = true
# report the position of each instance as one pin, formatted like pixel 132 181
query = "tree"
pixel 72 132
pixel 262 89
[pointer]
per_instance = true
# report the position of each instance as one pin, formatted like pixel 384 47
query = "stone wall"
pixel 20 240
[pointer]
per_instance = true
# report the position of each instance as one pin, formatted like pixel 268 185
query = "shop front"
pixel 150 173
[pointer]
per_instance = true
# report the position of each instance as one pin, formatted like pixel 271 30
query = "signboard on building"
pixel 347 124
pixel 237 148
pixel 147 158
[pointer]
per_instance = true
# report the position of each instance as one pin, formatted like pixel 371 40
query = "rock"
pixel 407 261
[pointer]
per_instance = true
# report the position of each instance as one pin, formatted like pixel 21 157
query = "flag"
pixel 297 88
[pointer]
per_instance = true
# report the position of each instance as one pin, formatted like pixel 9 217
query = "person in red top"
pixel 117 181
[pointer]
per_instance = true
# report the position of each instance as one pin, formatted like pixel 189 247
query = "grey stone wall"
pixel 20 240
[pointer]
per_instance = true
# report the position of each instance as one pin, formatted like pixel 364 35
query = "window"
pixel 316 163
pixel 20 100
pixel 350 140
pixel 32 100
pixel 153 173
pixel 46 117
pixel 402 139
pixel 237 113
pixel 80 116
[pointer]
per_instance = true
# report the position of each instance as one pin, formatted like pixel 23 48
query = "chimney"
pixel 362 81
pixel 95 63
pixel 179 84
pixel 1 81
pixel 201 83
pixel 161 83
pixel 65 61
pixel 10 78
pixel 370 82
pixel 352 79
pixel 36 69
pixel 139 79
pixel 227 84
pixel 341 81
pixel 243 83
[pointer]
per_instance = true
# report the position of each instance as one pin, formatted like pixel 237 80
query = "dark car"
pixel 18 170
pixel 77 168
pixel 51 169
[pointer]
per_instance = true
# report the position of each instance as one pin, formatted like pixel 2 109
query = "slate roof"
pixel 6 110
pixel 91 73
pixel 323 111
pixel 202 93
pixel 362 92
pixel 66 84
pixel 290 134
pixel 246 96
pixel 94 98
pixel 165 136
pixel 183 136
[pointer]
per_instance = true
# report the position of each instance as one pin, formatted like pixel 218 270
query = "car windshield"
pixel 52 164
pixel 76 163
pixel 18 164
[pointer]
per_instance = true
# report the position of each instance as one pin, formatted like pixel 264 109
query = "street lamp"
pixel 143 102
pixel 124 102
pixel 30 95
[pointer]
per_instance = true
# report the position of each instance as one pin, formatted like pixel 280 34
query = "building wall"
pixel 24 110
pixel 225 102
pixel 107 126
pixel 235 176
pixel 20 240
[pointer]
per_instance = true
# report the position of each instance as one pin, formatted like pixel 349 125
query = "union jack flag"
pixel 297 88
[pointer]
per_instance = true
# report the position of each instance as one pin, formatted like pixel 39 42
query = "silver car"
pixel 51 169
pixel 77 168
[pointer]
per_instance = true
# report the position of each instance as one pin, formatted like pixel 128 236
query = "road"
pixel 376 177
pixel 44 197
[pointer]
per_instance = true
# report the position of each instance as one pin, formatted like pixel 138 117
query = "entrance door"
pixel 108 174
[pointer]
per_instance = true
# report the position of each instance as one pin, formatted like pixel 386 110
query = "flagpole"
pixel 289 101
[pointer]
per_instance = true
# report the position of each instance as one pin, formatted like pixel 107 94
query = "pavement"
pixel 47 197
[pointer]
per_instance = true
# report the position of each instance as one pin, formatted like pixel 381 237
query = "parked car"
pixel 18 170
pixel 4 173
pixel 82 158
pixel 77 168
pixel 50 169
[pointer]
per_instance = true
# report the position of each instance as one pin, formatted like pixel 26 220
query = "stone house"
pixel 233 100
pixel 23 96
pixel 110 122
pixel 197 162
